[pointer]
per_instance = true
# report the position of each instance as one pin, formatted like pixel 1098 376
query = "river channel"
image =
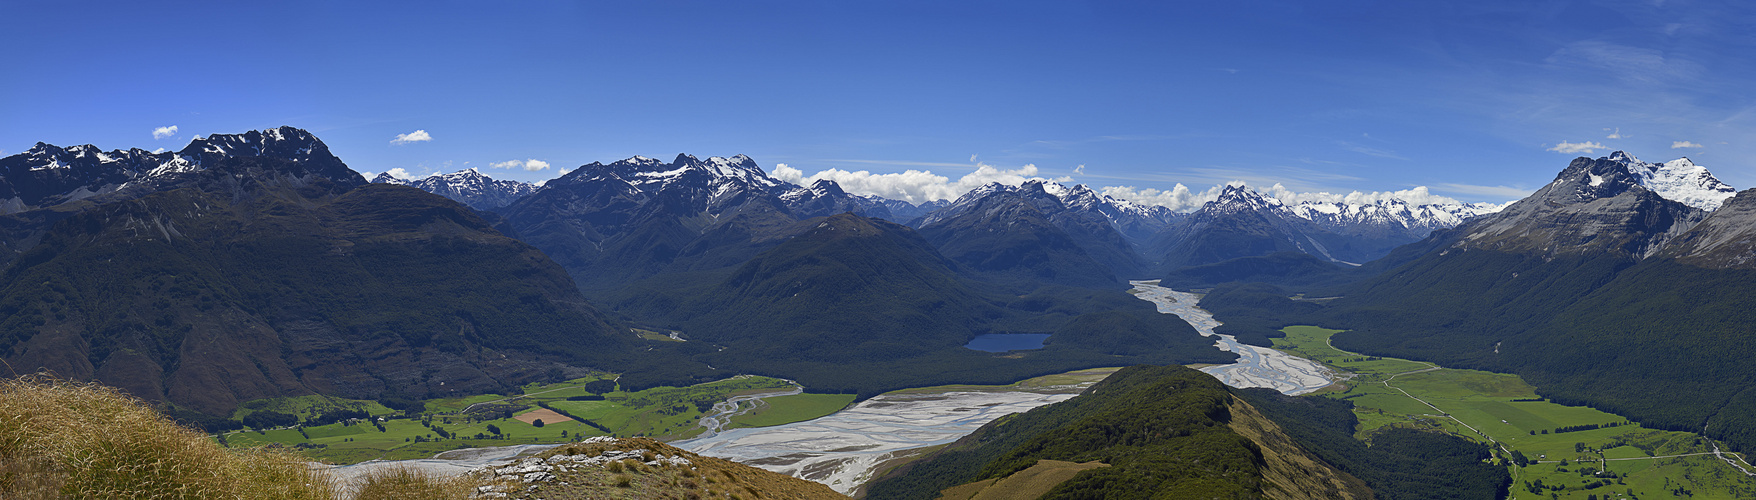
pixel 840 450
pixel 1256 366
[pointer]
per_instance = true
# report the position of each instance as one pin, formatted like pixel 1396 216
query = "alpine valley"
pixel 248 271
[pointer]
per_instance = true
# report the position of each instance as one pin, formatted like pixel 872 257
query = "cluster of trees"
pixel 333 416
pixel 594 425
pixel 1584 427
pixel 269 419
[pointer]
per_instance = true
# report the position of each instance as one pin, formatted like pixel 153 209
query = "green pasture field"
pixel 1486 402
pixel 664 412
pixel 309 406
pixel 788 409
pixel 360 441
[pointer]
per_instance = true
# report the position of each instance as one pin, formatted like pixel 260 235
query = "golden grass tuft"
pixel 410 484
pixel 61 439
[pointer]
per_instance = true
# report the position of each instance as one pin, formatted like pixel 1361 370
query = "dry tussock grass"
pixel 411 484
pixel 61 439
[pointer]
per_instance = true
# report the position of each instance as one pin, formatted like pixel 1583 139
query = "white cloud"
pixel 1418 195
pixel 1179 198
pixel 1183 199
pixel 1079 169
pixel 918 186
pixel 400 173
pixel 913 186
pixel 157 151
pixel 531 165
pixel 1615 135
pixel 416 136
pixel 1685 144
pixel 163 132
pixel 1587 147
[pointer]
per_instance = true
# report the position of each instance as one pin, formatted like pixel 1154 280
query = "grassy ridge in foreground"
pixel 63 439
pixel 1502 408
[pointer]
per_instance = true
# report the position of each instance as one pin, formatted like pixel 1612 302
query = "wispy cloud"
pixel 1587 147
pixel 1371 151
pixel 1615 135
pixel 400 173
pixel 1064 143
pixel 1685 144
pixel 163 132
pixel 1628 63
pixel 1507 192
pixel 900 163
pixel 416 136
pixel 531 165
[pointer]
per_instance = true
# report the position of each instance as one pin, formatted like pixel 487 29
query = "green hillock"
pixel 1174 432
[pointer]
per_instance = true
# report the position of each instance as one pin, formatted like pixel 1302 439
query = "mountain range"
pixel 1116 239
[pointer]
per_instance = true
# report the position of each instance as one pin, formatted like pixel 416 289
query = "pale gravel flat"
pixel 1256 366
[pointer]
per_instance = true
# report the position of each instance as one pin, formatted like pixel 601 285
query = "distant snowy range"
pixel 1138 213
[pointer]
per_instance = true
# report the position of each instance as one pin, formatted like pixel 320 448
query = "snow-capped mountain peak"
pixel 468 186
pixel 1678 180
pixel 1241 198
pixel 47 175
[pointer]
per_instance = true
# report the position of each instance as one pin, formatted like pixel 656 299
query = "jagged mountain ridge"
pixel 1133 220
pixel 48 183
pixel 1033 231
pixel 633 218
pixel 46 175
pixel 1242 223
pixel 1010 236
pixel 468 186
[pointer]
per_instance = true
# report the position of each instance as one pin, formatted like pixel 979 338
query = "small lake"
pixel 1002 342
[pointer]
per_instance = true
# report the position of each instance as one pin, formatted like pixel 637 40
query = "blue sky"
pixel 1479 101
